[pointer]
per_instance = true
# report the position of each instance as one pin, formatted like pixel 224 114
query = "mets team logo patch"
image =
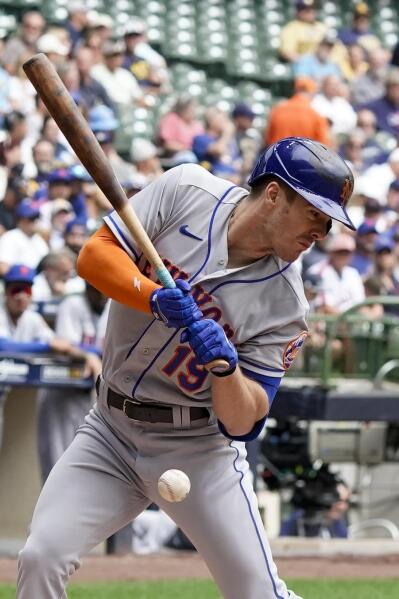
pixel 293 348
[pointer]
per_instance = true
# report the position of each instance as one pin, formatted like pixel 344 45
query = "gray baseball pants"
pixel 109 475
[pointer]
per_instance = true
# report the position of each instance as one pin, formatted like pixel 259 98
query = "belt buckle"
pixel 127 401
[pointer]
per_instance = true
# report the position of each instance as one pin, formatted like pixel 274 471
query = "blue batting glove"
pixel 175 307
pixel 208 341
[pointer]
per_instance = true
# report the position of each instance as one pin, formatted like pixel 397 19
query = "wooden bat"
pixel 74 126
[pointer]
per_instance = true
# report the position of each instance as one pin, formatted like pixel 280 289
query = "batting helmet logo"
pixel 292 349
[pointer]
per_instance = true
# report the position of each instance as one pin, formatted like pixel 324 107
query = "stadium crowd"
pixel 345 94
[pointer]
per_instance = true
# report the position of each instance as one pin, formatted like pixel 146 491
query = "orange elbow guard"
pixel 108 268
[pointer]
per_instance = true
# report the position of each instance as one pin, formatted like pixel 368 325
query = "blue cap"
pixel 19 273
pixel 26 209
pixel 60 175
pixel 102 118
pixel 243 109
pixel 367 227
pixel 384 242
pixel 76 222
pixel 79 173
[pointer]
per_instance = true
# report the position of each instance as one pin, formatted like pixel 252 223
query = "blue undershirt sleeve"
pixel 270 384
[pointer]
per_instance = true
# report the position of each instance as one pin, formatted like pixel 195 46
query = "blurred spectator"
pixel 217 149
pixel 333 105
pixel 371 85
pixel 303 34
pixel 313 287
pixel 352 150
pixel 373 152
pixel 316 253
pixel 120 84
pixel 81 319
pixel 43 154
pixel 178 127
pixel 248 139
pixel 5 99
pixel 363 257
pixel 14 193
pixel 152 530
pixel 76 22
pixel 355 63
pixel 383 280
pixel 76 234
pixel 104 124
pixel 359 32
pixel 318 65
pixel 53 47
pixel 342 284
pixel 386 108
pixel 375 181
pixel 296 117
pixel 144 156
pixel 22 244
pixel 90 90
pixel 24 42
pixel 147 65
pixel 16 148
pixel 102 24
pixel 50 131
pixel 61 214
pixel 56 277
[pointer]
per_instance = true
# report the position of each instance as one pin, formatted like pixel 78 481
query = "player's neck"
pixel 246 235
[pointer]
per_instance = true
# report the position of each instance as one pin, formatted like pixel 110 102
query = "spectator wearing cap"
pixel 53 47
pixel 24 42
pixel 331 102
pixel 248 138
pixel 383 280
pixel 303 34
pixel 178 127
pixel 102 24
pixel 119 83
pixel 147 65
pixel 216 149
pixel 76 22
pixel 371 85
pixel 386 109
pixel 104 124
pixel 318 64
pixel 145 158
pixel 363 256
pixel 76 234
pixel 296 118
pixel 61 213
pixel 342 284
pixel 90 90
pixel 359 32
pixel 22 244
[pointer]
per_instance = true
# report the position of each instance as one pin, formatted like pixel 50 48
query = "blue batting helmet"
pixel 315 172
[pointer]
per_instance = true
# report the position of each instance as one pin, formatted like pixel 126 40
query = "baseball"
pixel 174 485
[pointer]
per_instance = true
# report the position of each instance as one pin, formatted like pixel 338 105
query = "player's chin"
pixel 290 254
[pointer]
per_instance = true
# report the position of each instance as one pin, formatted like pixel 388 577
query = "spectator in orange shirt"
pixel 296 117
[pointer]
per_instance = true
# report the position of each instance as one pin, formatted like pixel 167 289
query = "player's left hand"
pixel 208 341
pixel 175 307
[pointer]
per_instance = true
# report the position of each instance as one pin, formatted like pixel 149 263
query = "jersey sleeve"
pixel 153 205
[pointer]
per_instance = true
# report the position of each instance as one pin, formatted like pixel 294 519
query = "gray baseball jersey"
pixel 109 473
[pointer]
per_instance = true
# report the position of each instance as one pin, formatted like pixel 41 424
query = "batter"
pixel 158 408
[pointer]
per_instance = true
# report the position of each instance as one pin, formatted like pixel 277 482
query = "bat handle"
pixel 219 364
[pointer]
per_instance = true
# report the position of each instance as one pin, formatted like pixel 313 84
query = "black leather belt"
pixel 148 412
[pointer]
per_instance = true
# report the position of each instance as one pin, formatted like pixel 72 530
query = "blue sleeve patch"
pixel 270 384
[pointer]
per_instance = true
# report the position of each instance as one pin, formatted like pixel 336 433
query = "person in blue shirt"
pixel 359 32
pixel 317 66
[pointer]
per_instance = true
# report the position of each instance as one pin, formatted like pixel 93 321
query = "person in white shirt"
pixel 342 286
pixel 57 277
pixel 23 245
pixel 333 105
pixel 120 84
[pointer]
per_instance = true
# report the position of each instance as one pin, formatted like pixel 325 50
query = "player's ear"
pixel 272 191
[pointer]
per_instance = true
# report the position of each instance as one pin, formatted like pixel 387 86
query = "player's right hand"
pixel 175 307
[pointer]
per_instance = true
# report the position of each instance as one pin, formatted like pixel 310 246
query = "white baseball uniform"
pixel 109 473
pixel 62 411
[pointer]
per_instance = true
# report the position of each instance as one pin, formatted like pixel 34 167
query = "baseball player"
pixel 238 297
pixel 81 320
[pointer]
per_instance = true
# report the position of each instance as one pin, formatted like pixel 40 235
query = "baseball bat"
pixel 61 106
